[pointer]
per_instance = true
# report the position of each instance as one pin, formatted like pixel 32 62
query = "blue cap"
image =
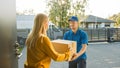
pixel 73 18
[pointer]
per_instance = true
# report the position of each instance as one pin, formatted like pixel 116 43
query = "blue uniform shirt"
pixel 80 37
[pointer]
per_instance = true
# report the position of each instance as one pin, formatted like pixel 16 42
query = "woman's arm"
pixel 50 51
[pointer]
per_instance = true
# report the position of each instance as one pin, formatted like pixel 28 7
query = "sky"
pixel 100 8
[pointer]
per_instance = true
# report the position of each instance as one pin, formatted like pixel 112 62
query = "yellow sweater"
pixel 40 56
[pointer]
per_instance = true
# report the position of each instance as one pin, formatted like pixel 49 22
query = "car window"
pixel 54 28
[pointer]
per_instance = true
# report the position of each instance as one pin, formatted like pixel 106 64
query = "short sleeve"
pixel 65 36
pixel 84 39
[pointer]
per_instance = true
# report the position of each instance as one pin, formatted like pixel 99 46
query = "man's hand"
pixel 75 56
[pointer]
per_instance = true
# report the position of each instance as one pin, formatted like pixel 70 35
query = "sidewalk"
pixel 22 58
pixel 100 55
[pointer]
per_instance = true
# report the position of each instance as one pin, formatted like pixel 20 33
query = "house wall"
pixel 102 25
pixel 112 25
pixel 90 25
pixel 93 25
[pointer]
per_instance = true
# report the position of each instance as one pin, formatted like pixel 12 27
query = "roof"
pixel 25 17
pixel 91 18
pixel 26 21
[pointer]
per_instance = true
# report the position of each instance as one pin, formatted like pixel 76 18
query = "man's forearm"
pixel 84 47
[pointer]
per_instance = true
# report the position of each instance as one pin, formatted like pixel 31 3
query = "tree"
pixel 116 17
pixel 61 10
pixel 58 11
pixel 79 8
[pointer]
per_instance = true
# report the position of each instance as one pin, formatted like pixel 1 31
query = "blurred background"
pixel 99 18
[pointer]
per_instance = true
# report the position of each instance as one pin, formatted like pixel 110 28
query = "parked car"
pixel 22 35
pixel 53 33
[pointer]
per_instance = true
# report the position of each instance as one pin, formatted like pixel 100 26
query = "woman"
pixel 39 48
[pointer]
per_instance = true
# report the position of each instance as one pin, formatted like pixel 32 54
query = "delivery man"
pixel 76 34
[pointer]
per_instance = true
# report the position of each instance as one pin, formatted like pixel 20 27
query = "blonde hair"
pixel 37 30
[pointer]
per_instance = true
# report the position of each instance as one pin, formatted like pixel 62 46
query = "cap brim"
pixel 71 20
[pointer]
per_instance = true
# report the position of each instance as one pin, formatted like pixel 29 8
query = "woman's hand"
pixel 70 53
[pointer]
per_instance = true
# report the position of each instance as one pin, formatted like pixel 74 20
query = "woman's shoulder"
pixel 44 37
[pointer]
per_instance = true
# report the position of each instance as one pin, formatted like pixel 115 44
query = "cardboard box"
pixel 61 46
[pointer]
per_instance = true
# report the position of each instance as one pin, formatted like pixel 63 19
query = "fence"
pixel 105 34
pixel 94 35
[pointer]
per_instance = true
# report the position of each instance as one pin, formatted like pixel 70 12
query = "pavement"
pixel 100 55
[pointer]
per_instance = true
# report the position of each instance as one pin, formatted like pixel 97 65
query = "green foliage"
pixel 61 10
pixel 116 17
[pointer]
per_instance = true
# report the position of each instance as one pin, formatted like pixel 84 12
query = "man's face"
pixel 73 25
